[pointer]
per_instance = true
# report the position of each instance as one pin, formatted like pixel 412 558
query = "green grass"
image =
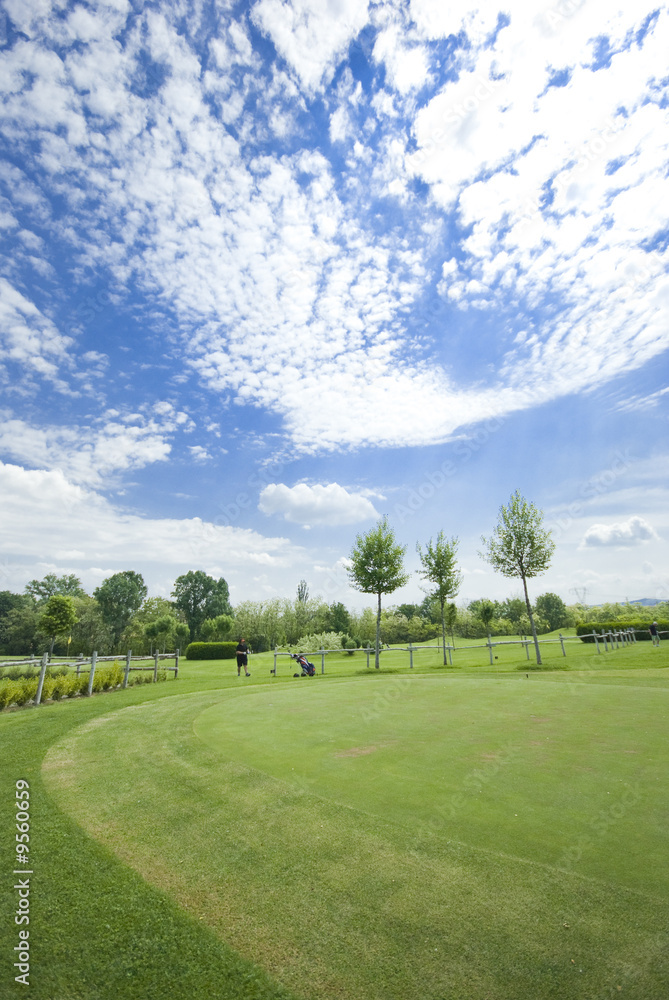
pixel 463 833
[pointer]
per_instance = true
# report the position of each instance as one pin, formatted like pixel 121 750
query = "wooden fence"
pixel 89 664
pixel 609 641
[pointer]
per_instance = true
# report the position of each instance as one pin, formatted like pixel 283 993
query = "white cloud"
pixel 316 505
pixel 311 35
pixel 633 531
pixel 91 455
pixel 29 340
pixel 40 506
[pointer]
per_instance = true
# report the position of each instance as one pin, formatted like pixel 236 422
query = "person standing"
pixel 654 634
pixel 242 657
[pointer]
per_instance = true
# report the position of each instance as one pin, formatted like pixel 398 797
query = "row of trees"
pixel 519 547
pixel 57 614
pixel 119 614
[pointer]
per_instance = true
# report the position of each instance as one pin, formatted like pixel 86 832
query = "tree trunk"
pixel 378 633
pixel 443 628
pixel 531 617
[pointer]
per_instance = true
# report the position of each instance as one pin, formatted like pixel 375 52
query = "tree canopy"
pixel 520 547
pixel 377 567
pixel 439 568
pixel 199 596
pixel 118 597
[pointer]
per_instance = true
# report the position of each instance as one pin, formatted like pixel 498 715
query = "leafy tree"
pixel 338 618
pixel 377 568
pixel 162 631
pixel 134 634
pixel 217 629
pixel 261 623
pixel 486 611
pixel 90 631
pixel 57 618
pixel 363 625
pixel 19 631
pixel 42 590
pixel 198 596
pixel 553 609
pixel 440 570
pixel 118 597
pixel 520 547
pixel 303 591
pixel 513 609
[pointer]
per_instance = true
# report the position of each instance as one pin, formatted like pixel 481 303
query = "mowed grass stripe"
pixel 333 901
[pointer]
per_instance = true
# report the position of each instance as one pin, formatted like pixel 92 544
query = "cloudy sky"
pixel 273 269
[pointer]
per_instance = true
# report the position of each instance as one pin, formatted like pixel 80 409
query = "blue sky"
pixel 272 270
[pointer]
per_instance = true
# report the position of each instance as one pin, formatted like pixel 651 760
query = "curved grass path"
pixel 360 840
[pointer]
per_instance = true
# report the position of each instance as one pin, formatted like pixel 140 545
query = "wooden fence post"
pixel 450 658
pixel 562 644
pixel 94 657
pixel 176 663
pixel 128 657
pixel 489 645
pixel 155 667
pixel 322 660
pixel 42 675
pixel 410 655
pixel 368 656
pixel 594 636
pixel 274 671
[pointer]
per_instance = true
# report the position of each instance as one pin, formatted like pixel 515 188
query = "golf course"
pixel 436 833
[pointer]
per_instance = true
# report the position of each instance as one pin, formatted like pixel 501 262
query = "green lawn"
pixel 464 833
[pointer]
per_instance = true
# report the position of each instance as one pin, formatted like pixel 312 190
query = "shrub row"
pixel 211 650
pixel 67 685
pixel 640 629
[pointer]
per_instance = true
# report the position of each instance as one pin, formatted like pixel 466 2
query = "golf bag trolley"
pixel 308 669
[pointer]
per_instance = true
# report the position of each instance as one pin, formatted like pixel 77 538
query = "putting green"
pixel 398 837
pixel 556 774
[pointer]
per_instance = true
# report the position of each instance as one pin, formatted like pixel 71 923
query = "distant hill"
pixel 648 601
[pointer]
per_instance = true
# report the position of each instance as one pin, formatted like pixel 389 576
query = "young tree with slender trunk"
pixel 520 547
pixel 58 618
pixel 377 568
pixel 440 569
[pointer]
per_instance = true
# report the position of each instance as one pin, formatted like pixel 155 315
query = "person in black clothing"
pixel 242 657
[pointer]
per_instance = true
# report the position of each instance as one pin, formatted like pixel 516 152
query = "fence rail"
pixel 610 640
pixel 92 661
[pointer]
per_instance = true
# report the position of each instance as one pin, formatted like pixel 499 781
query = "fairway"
pixel 399 836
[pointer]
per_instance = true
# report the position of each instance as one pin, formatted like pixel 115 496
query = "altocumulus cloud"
pixel 633 531
pixel 316 505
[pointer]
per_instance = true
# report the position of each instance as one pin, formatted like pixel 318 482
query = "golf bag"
pixel 308 669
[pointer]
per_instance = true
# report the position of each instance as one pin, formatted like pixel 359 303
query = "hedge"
pixel 640 629
pixel 211 650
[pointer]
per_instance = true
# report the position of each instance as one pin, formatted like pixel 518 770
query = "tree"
pixel 198 596
pixel 90 631
pixel 19 630
pixel 118 597
pixel 57 618
pixel 377 568
pixel 553 609
pixel 162 631
pixel 217 629
pixel 520 547
pixel 440 569
pixel 338 619
pixel 42 590
pixel 486 612
pixel 303 591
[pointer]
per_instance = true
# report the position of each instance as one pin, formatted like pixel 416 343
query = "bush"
pixel 211 650
pixel 8 693
pixel 640 629
pixel 322 640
